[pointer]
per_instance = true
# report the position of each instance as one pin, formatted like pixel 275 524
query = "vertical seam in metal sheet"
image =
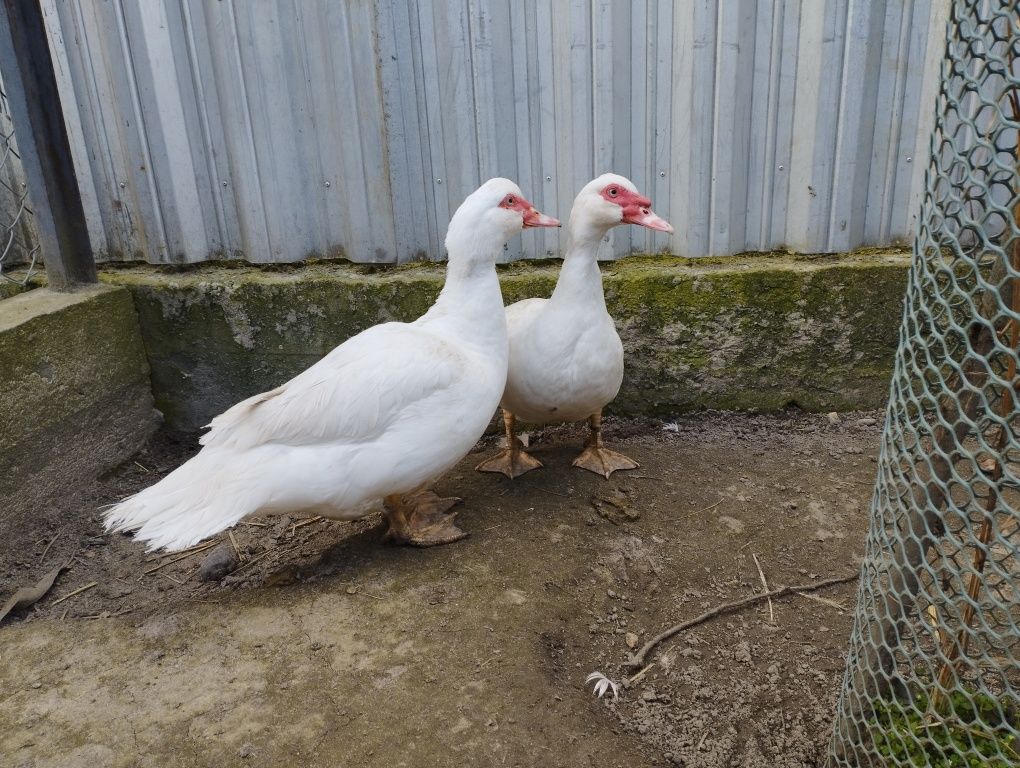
pixel 405 149
pixel 474 90
pixel 250 129
pixel 420 91
pixel 428 146
pixel 139 117
pixel 591 83
pixel 772 117
pixel 196 81
pixel 365 172
pixel 744 244
pixel 385 151
pixel 902 42
pixel 320 238
pixel 840 117
pixel 98 115
pixel 714 128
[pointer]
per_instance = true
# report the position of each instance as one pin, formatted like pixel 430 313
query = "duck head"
pixel 490 216
pixel 611 200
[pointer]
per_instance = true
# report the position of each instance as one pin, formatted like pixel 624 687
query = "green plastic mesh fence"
pixel 933 671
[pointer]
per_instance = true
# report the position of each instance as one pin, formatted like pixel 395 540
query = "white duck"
pixel 566 358
pixel 376 420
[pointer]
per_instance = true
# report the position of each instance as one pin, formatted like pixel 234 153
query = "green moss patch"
pixel 74 396
pixel 762 331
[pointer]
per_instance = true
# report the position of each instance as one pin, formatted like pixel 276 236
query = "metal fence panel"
pixel 19 240
pixel 281 129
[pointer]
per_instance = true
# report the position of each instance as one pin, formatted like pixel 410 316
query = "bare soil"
pixel 325 647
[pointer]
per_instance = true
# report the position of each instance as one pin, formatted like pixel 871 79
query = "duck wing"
pixel 352 395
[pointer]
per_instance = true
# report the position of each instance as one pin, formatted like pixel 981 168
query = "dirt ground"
pixel 325 647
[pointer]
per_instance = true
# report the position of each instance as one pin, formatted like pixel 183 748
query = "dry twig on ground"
pixel 637 660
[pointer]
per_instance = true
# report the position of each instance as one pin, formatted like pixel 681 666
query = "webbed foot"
pixel 512 463
pixel 603 461
pixel 422 520
pixel 597 458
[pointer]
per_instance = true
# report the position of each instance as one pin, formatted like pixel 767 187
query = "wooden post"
pixel 31 86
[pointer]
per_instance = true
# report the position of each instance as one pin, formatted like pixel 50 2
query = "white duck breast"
pixel 378 418
pixel 566 362
pixel 566 357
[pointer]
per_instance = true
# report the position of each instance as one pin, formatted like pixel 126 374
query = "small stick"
pixel 233 542
pixel 76 592
pixel 195 548
pixel 761 575
pixel 175 581
pixel 121 612
pixel 259 557
pixel 638 659
pixel 254 525
pixel 303 523
pixel 144 469
pixel 194 551
pixel 640 674
pixel 41 559
pixel 709 509
pixel 823 600
pixel 64 614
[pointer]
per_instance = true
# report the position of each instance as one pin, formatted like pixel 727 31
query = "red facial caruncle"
pixel 636 209
pixel 532 217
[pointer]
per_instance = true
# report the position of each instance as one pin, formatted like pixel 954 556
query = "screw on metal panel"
pixel 224 183
pixel 123 184
pixel 662 174
pixel 910 159
pixel 439 181
pixel 325 183
pixel 548 178
pixel 780 167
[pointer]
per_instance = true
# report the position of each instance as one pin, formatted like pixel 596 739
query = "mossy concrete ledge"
pixel 759 332
pixel 74 397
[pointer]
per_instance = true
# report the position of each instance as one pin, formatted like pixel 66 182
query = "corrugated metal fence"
pixel 273 130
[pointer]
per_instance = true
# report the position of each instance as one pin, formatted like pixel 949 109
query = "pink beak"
pixel 639 211
pixel 532 216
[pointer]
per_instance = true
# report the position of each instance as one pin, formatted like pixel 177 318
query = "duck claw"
pixel 603 461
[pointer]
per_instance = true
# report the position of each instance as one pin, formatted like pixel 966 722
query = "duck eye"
pixel 509 201
pixel 613 191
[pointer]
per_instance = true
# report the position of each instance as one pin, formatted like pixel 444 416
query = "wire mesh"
pixel 933 670
pixel 19 240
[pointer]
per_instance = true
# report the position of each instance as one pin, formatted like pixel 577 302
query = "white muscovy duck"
pixel 376 420
pixel 566 358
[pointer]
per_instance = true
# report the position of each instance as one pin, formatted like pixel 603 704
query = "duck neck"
pixel 471 299
pixel 580 279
